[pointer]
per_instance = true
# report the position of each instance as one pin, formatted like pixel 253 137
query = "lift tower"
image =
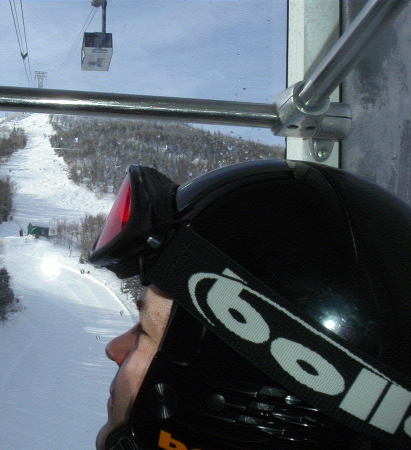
pixel 40 76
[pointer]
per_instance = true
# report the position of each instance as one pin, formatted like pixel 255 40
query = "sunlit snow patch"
pixel 50 267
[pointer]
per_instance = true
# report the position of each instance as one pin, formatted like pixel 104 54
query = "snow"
pixel 54 375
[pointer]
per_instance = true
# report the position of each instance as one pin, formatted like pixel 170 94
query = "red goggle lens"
pixel 118 217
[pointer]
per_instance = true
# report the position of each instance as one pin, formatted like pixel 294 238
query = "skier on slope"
pixel 276 313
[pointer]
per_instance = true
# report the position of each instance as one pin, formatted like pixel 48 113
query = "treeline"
pixel 98 151
pixel 79 235
pixel 8 302
pixel 10 141
pixel 7 191
pixel 16 140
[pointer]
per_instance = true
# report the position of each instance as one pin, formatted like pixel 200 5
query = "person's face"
pixel 133 352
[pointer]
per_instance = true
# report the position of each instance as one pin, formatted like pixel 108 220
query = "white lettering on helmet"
pixel 392 409
pixel 291 356
pixel 234 312
pixel 367 393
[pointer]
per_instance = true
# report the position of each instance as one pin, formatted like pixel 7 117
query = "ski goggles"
pixel 138 221
pixel 149 207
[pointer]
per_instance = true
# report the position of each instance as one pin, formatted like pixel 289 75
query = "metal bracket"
pixel 294 119
pixel 331 121
pixel 336 126
pixel 321 125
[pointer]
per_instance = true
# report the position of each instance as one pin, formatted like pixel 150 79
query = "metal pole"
pixel 53 101
pixel 104 8
pixel 346 52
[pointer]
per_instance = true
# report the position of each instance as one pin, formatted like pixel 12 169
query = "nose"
pixel 118 348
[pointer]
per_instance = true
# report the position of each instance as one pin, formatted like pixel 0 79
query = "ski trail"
pixel 43 188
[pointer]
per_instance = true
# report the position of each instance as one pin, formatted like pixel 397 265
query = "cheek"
pixel 138 361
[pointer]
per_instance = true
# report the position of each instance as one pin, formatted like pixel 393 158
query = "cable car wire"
pixel 25 39
pixel 24 52
pixel 17 27
pixel 74 47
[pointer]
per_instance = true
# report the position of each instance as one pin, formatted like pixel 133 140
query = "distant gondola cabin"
pixel 37 230
pixel 97 51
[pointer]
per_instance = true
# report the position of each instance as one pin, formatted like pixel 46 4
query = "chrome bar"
pixel 138 106
pixel 376 14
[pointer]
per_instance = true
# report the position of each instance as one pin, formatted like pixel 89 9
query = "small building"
pixel 38 230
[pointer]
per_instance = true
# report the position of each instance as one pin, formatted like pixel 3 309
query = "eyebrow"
pixel 150 315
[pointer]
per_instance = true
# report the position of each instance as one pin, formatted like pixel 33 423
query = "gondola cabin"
pixel 97 51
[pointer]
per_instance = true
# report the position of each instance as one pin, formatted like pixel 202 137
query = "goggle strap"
pixel 270 333
pixel 160 190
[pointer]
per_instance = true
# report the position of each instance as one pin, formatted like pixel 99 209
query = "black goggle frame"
pixel 141 209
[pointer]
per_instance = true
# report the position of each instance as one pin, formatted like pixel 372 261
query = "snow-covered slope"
pixel 54 375
pixel 44 190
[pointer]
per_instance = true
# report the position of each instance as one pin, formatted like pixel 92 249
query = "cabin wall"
pixel 379 93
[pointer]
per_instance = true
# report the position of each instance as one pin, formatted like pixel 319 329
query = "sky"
pixel 223 50
pixel 54 375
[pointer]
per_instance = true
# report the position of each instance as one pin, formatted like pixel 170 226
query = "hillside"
pixel 97 151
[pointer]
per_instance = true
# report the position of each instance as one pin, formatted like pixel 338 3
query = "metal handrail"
pixel 137 106
pixel 342 57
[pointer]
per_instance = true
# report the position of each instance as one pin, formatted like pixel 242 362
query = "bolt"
pixel 322 154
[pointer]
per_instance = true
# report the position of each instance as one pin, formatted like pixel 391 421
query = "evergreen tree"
pixel 7 191
pixel 15 141
pixel 7 298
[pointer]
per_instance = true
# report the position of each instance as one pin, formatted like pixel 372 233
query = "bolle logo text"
pixel 166 442
pixel 371 397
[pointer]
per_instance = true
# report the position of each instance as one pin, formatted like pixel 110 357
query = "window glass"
pixel 59 176
pixel 223 50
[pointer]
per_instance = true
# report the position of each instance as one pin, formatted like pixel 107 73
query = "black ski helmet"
pixel 336 250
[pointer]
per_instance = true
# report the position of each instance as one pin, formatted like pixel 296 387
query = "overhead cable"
pixel 22 40
pixel 76 42
pixel 25 39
